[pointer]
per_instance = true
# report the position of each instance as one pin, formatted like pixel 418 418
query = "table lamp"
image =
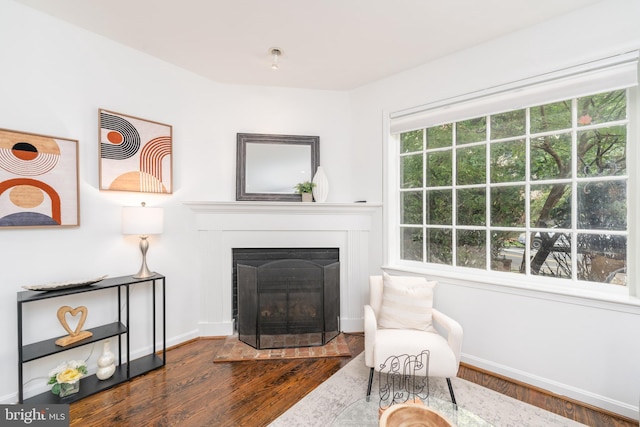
pixel 142 221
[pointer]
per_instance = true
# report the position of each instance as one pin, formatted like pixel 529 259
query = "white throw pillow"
pixel 407 303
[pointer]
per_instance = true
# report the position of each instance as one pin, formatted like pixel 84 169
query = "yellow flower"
pixel 69 375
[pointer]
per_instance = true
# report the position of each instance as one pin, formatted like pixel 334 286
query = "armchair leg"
pixel 370 383
pixel 453 397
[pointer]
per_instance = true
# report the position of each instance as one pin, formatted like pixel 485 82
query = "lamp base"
pixel 144 271
pixel 143 274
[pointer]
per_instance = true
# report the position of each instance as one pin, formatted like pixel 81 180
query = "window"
pixel 539 190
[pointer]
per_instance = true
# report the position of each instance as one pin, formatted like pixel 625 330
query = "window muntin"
pixel 536 191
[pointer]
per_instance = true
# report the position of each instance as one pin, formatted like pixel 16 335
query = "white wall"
pixel 53 79
pixel 570 345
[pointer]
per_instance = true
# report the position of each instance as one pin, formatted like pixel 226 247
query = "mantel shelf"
pixel 288 208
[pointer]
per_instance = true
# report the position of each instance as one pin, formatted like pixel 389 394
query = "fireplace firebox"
pixel 288 302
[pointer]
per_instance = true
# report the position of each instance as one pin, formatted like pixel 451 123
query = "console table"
pixel 125 369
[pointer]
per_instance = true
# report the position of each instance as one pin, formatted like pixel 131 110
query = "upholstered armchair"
pixel 400 320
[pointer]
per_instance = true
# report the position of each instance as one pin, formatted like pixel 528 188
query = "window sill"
pixel 529 287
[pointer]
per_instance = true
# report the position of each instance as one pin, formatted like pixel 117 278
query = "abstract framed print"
pixel 135 154
pixel 38 180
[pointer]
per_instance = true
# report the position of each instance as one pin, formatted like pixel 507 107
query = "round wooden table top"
pixel 412 415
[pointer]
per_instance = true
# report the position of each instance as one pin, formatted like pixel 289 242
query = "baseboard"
pixel 351 324
pixel 215 329
pixel 179 339
pixel 551 387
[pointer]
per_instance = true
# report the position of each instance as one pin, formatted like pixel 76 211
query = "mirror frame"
pixel 259 138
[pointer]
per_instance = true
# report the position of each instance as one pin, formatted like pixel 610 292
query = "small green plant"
pixel 305 187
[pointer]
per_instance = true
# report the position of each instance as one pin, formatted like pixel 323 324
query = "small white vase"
pixel 321 188
pixel 106 362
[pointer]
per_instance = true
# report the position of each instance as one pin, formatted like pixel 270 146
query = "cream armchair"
pixel 381 343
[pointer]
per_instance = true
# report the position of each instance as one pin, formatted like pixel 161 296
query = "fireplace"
pixel 287 297
pixel 224 226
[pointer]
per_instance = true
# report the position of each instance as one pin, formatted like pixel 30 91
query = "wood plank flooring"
pixel 192 391
pixel 560 405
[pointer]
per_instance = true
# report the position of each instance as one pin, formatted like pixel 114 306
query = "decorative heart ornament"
pixel 62 313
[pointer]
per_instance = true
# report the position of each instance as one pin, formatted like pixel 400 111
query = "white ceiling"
pixel 326 44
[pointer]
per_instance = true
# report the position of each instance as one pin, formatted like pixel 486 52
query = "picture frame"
pixel 39 184
pixel 135 154
pixel 268 167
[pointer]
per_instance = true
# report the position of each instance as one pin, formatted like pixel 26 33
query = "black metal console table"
pixel 126 369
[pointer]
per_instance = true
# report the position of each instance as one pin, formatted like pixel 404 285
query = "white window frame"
pixel 618 72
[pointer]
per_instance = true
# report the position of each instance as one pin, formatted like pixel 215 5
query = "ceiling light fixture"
pixel 276 53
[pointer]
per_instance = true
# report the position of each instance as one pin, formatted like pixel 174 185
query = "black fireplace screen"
pixel 288 303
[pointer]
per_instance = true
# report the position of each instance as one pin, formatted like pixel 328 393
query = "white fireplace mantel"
pixel 223 226
pixel 283 215
pixel 281 207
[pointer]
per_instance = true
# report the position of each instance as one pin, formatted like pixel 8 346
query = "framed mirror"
pixel 268 167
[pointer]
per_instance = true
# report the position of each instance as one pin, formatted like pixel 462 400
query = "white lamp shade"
pixel 142 220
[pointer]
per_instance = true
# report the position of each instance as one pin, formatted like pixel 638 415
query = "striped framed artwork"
pixel 135 154
pixel 38 180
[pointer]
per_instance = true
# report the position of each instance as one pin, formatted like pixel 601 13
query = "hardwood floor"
pixel 563 406
pixel 192 391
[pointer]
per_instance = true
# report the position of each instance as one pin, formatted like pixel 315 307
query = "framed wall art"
pixel 135 154
pixel 38 180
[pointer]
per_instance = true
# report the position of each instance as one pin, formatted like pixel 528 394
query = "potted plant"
pixel 306 190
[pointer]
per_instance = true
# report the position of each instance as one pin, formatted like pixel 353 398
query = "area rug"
pixel 322 406
pixel 235 350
